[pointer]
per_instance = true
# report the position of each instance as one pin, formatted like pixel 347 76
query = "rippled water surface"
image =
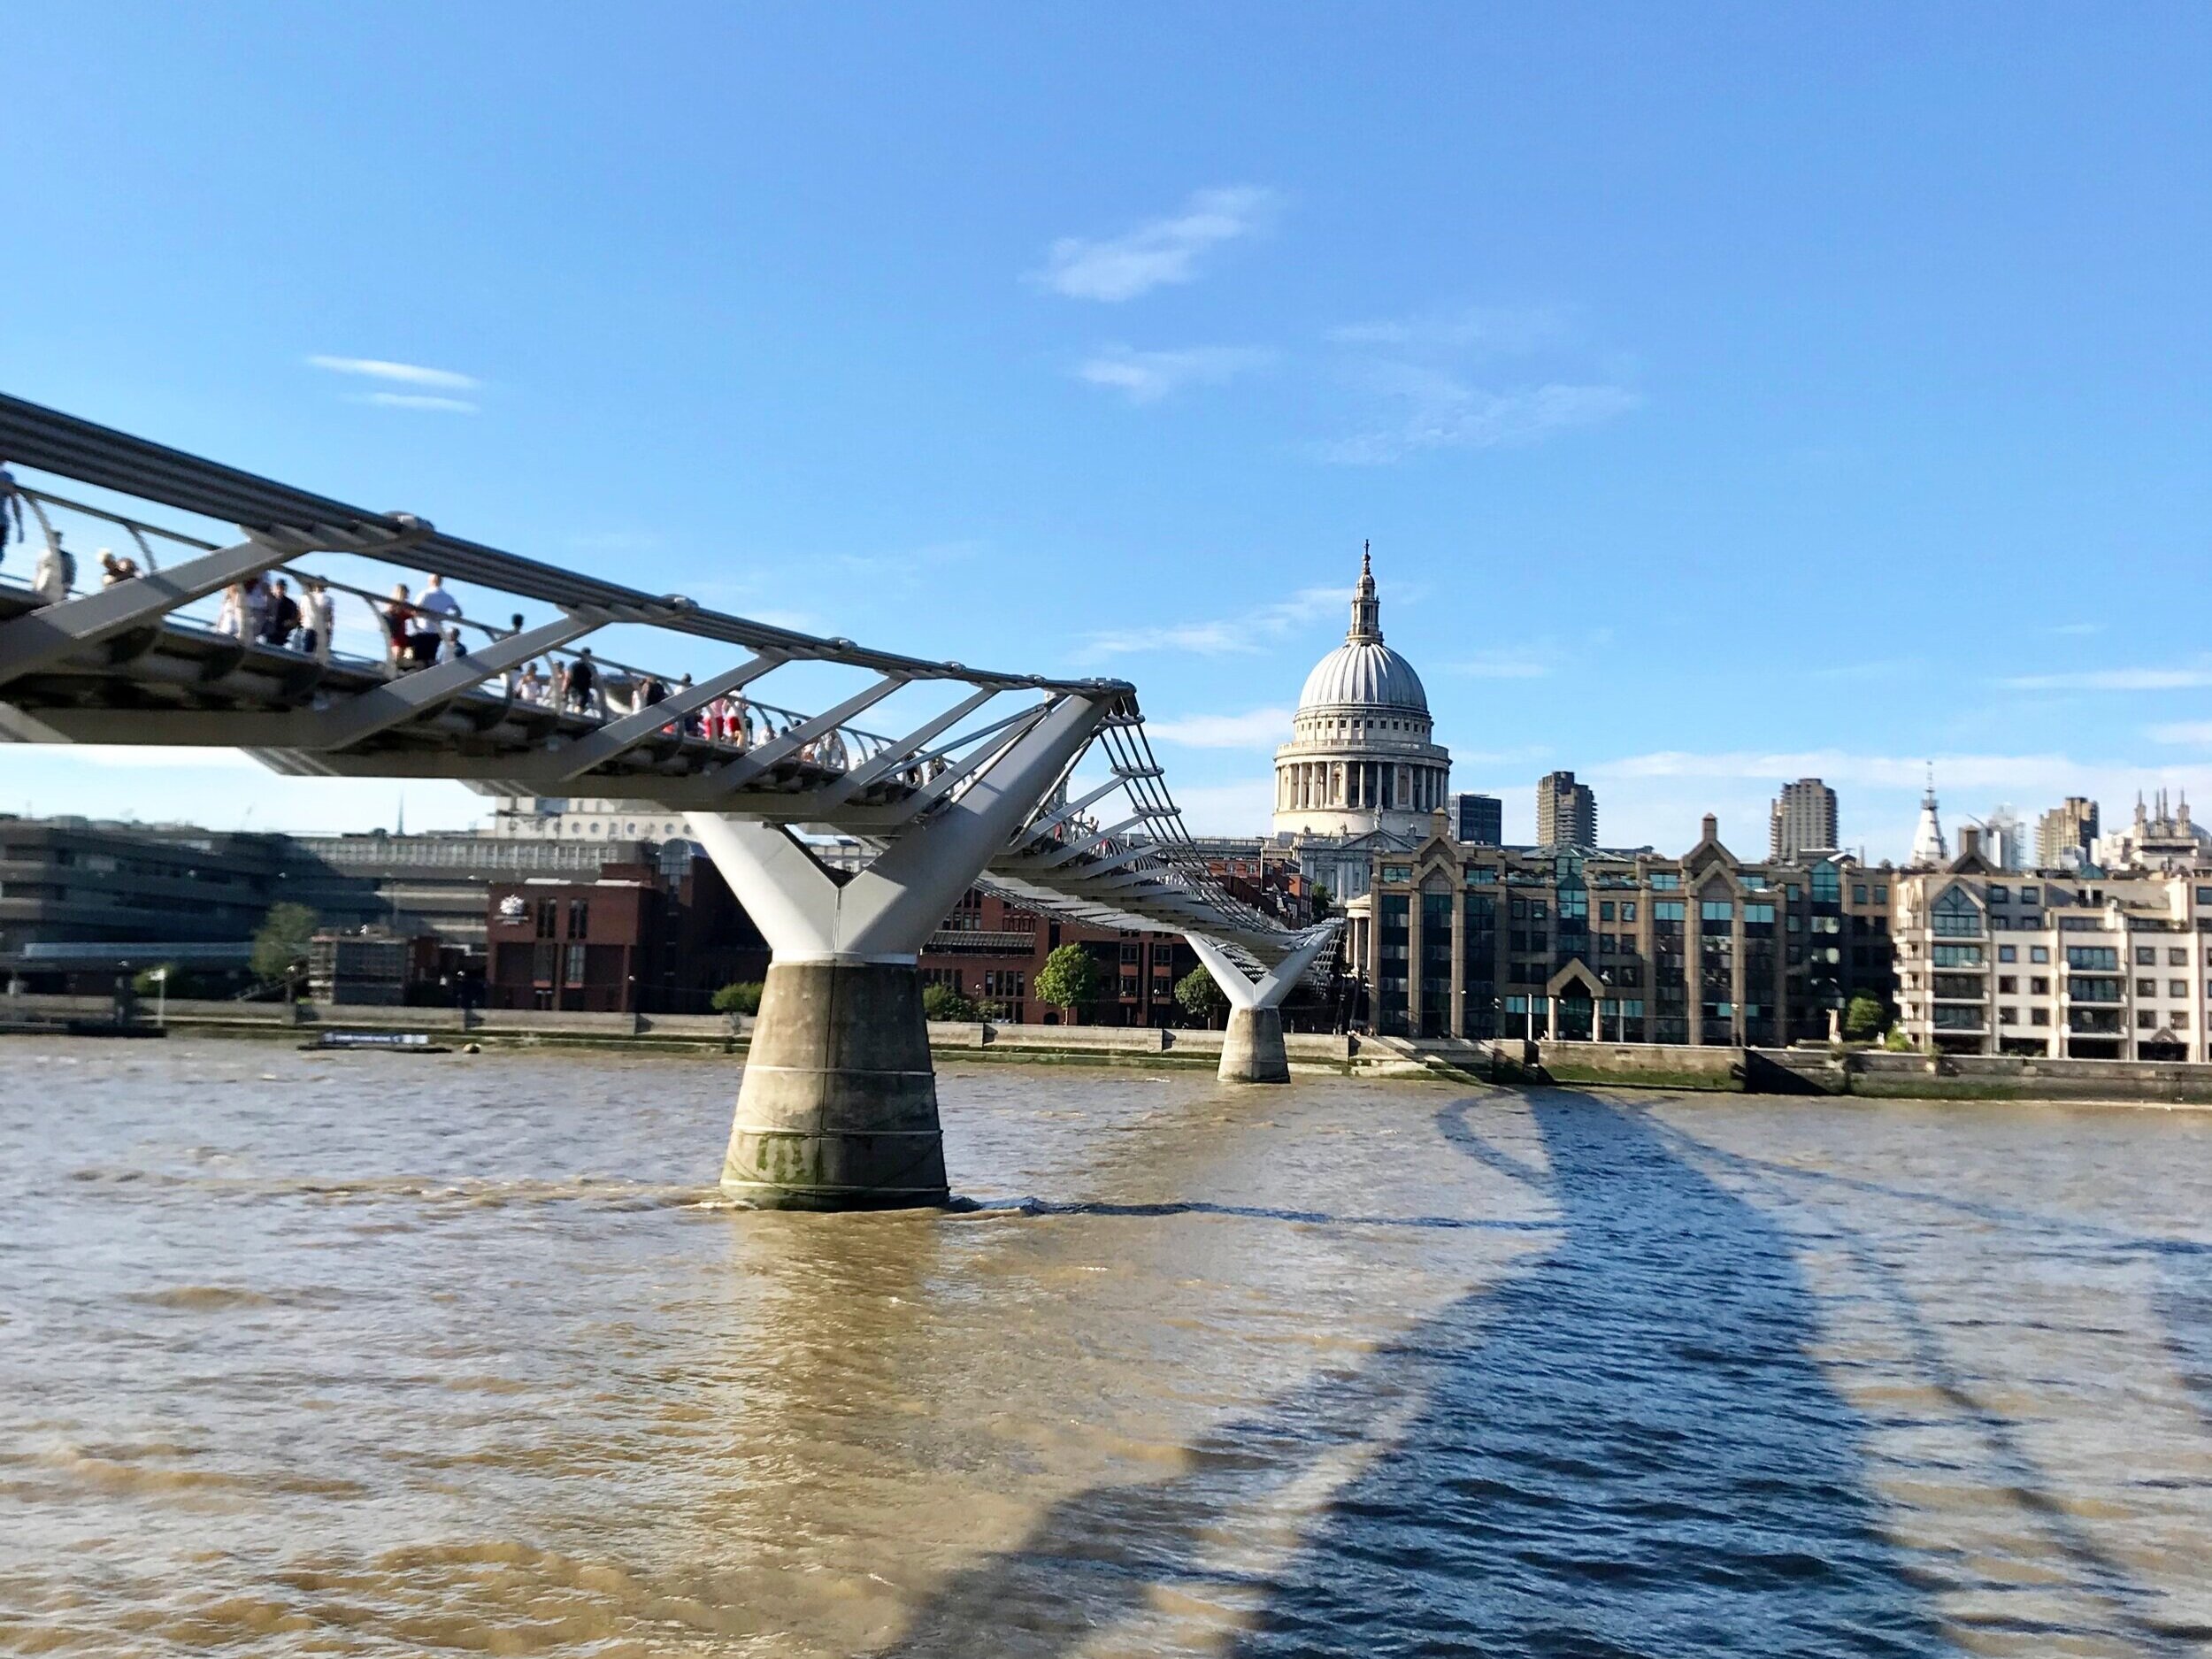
pixel 377 1355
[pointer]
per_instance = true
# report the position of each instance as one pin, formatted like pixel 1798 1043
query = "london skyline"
pixel 1722 412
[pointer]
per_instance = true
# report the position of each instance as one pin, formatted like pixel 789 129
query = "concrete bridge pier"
pixel 838 1109
pixel 1252 1048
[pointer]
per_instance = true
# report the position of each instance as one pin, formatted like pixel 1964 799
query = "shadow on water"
pixel 2108 1594
pixel 1625 1448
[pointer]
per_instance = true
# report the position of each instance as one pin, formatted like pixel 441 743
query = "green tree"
pixel 945 1001
pixel 1864 1019
pixel 1200 998
pixel 1897 1042
pixel 1069 980
pixel 741 998
pixel 279 944
pixel 1322 899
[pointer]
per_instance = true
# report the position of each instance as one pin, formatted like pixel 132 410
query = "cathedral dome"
pixel 1363 672
pixel 1361 757
pixel 1367 674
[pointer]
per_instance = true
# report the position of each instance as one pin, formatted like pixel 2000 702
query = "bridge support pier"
pixel 838 1107
pixel 1252 1048
pixel 838 1110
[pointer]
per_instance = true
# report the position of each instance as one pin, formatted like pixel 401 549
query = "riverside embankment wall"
pixel 1871 1072
pixel 1097 1045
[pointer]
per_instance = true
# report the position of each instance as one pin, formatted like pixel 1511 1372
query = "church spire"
pixel 1366 609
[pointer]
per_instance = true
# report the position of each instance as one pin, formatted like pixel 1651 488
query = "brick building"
pixel 990 951
pixel 628 940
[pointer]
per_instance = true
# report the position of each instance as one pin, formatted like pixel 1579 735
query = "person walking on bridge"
pixel 10 497
pixel 56 572
pixel 439 605
pixel 282 620
pixel 316 619
pixel 583 682
pixel 398 610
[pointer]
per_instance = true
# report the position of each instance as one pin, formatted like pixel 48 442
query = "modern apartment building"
pixel 1566 811
pixel 1478 819
pixel 2053 963
pixel 1802 820
pixel 1455 940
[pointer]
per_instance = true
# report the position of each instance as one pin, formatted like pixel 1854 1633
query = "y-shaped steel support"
pixel 838 1110
pixel 1252 1050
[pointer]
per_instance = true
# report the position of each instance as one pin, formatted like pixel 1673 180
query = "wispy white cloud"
pixel 402 374
pixel 420 400
pixel 2198 731
pixel 1261 728
pixel 1254 631
pixel 2077 628
pixel 909 565
pixel 1160 252
pixel 2115 679
pixel 1502 665
pixel 1444 413
pixel 1417 377
pixel 1492 330
pixel 2024 775
pixel 1145 376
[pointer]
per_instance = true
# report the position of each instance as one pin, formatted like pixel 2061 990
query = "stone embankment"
pixel 1873 1073
pixel 716 1034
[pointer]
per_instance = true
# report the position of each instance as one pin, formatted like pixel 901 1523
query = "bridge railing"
pixel 84 670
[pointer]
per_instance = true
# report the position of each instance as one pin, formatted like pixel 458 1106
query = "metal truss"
pixel 127 664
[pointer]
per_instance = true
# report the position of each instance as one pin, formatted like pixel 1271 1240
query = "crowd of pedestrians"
pixel 265 611
pixel 420 630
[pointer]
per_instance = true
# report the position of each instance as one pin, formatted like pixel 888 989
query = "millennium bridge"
pixel 974 778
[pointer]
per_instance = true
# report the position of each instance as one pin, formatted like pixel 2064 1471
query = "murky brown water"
pixel 378 1355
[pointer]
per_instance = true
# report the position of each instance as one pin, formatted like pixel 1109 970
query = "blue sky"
pixel 1729 392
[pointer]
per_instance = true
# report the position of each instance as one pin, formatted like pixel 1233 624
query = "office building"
pixel 1478 819
pixel 1566 812
pixel 1803 820
pixel 2064 835
pixel 1617 946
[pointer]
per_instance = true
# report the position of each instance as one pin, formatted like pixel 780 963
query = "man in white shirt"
pixel 316 617
pixel 436 602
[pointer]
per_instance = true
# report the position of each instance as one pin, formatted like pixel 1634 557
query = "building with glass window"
pixel 1456 940
pixel 2055 964
pixel 1478 819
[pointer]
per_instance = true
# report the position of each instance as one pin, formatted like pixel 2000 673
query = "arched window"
pixel 1957 916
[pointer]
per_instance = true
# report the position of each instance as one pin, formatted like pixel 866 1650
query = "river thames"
pixel 380 1355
